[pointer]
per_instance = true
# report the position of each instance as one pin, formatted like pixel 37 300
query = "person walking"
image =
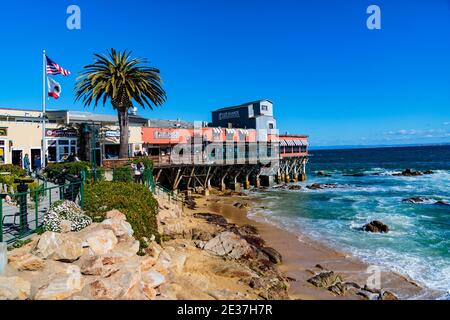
pixel 26 164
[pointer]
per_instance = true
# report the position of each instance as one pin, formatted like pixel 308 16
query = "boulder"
pixel 119 226
pixel 338 289
pixel 408 173
pixel 415 200
pixel 229 244
pixel 442 203
pixel 127 278
pixel 115 214
pixel 387 295
pixel 428 172
pixel 319 186
pixel 101 241
pixel 26 262
pixel 153 278
pixel 200 234
pixel 98 266
pixel 58 246
pixel 325 279
pixel 213 218
pixel 14 288
pixel 376 226
pixel 102 289
pixel 295 187
pixel 127 248
pixel 148 291
pixel 322 174
pixel 354 175
pixel 273 254
pixel 62 285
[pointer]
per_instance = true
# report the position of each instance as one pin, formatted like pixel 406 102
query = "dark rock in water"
pixel 387 295
pixel 354 175
pixel 325 279
pixel 318 186
pixel 338 289
pixel 322 174
pixel 295 187
pixel 409 173
pixel 428 172
pixel 442 203
pixel 415 200
pixel 240 205
pixel 273 254
pixel 372 290
pixel 212 218
pixel 248 229
pixel 376 226
pixel 203 235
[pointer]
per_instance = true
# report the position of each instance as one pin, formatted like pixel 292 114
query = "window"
pixel 264 108
pixel 270 125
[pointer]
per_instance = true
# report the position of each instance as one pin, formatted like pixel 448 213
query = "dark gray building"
pixel 251 115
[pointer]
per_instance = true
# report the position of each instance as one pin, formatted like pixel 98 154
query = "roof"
pixel 83 116
pixel 243 105
pixel 158 123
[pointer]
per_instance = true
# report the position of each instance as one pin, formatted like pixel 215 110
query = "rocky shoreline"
pixel 201 257
pixel 209 250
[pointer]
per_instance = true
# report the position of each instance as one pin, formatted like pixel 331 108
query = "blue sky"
pixel 328 75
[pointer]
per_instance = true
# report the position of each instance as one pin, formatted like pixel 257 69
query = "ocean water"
pixel 419 241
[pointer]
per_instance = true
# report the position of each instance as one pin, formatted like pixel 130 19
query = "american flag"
pixel 54 68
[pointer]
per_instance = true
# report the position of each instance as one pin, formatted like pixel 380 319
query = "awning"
pixel 298 143
pixel 290 143
pixel 283 143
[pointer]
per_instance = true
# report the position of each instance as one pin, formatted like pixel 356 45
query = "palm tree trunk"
pixel 124 133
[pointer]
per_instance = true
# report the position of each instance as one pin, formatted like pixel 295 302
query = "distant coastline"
pixel 380 146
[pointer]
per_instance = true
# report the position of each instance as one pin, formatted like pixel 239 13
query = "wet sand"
pixel 301 256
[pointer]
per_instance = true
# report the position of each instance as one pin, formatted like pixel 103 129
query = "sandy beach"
pixel 303 257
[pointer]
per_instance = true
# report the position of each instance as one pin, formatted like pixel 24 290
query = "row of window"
pixel 294 149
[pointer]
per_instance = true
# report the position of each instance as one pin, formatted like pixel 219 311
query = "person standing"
pixel 37 164
pixel 26 164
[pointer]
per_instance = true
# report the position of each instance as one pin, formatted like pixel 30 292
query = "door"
pixel 17 158
pixel 35 153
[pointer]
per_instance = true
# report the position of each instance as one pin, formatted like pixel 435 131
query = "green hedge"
pixel 134 200
pixel 74 168
pixel 122 174
pixel 13 169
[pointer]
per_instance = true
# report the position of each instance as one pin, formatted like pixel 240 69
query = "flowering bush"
pixel 65 210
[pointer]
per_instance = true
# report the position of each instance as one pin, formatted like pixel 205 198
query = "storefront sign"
pixel 112 134
pixel 3 132
pixel 228 115
pixel 166 135
pixel 61 133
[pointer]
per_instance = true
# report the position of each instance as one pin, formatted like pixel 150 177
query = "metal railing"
pixel 22 213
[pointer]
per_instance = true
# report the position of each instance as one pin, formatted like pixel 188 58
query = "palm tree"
pixel 121 79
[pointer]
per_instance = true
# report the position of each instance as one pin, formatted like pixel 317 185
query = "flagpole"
pixel 44 142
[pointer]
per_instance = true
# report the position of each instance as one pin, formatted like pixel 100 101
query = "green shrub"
pixel 73 168
pixel 122 174
pixel 134 200
pixel 13 169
